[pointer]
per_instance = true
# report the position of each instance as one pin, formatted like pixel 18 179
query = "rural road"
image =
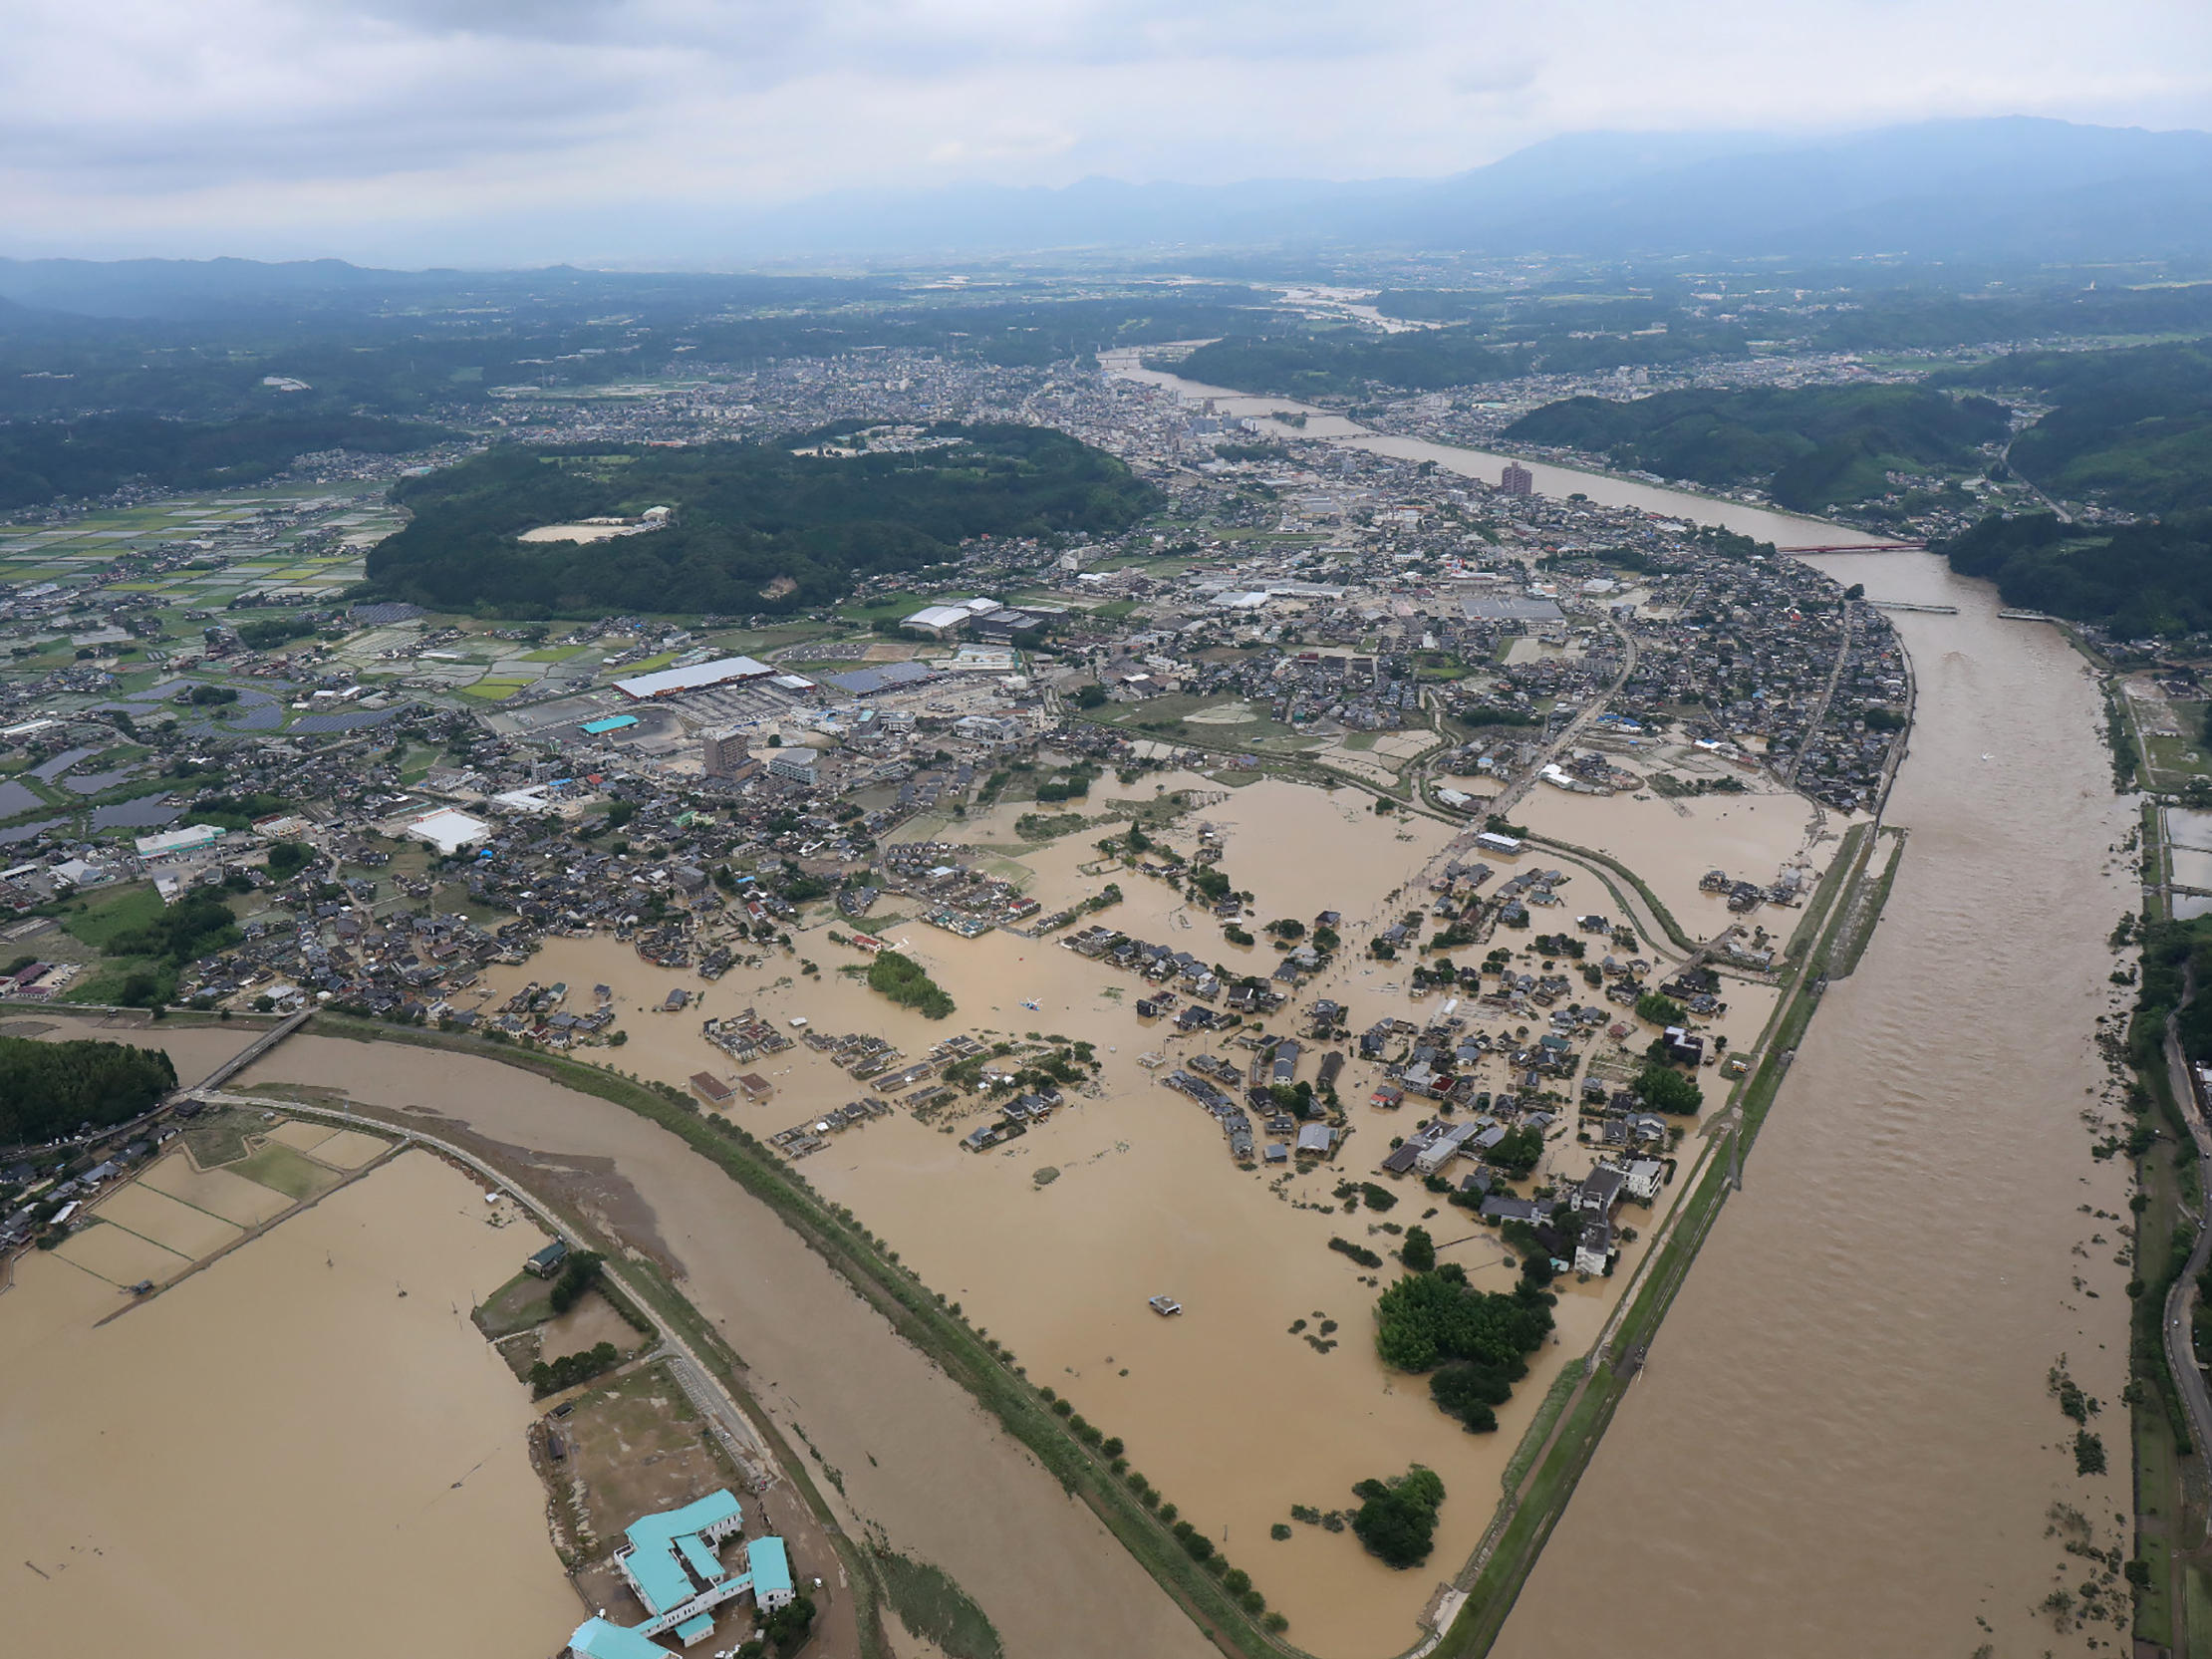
pixel 2181 1357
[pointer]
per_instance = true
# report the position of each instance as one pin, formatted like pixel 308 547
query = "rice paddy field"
pixel 306 540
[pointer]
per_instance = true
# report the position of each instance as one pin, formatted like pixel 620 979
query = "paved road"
pixel 1827 693
pixel 2181 1356
pixel 1502 806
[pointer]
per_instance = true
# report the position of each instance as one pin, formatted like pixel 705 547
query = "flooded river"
pixel 1760 523
pixel 911 1450
pixel 1844 1444
pixel 1844 1440
pixel 1266 1394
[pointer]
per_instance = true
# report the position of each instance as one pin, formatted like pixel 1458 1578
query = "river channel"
pixel 1844 1442
pixel 1785 531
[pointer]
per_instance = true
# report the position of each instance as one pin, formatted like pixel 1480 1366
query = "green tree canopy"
pixel 48 1088
pixel 1397 1520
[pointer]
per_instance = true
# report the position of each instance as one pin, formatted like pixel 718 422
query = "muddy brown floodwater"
pixel 282 1454
pixel 913 1452
pixel 1844 1444
pixel 1234 1415
pixel 195 1051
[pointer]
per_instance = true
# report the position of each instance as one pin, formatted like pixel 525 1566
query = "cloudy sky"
pixel 409 130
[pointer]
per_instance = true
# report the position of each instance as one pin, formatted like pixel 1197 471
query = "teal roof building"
pixel 770 1569
pixel 599 1638
pixel 671 1561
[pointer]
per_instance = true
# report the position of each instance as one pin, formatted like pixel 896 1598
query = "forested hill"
pixel 2132 426
pixel 1812 448
pixel 757 527
pixel 2139 580
pixel 1344 362
pixel 47 1089
pixel 47 462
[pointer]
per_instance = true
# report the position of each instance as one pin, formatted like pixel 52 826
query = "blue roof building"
pixel 601 1639
pixel 672 1562
pixel 670 1559
pixel 770 1567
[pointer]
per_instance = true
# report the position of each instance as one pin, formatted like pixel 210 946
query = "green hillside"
pixel 2133 427
pixel 1353 362
pixel 2152 578
pixel 1812 448
pixel 757 527
pixel 88 457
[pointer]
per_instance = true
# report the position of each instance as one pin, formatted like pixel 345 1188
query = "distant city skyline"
pixel 480 130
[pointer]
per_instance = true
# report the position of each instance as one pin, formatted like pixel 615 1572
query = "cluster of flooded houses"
pixel 1213 1083
pixel 1162 964
pixel 1013 1118
pixel 745 1038
pixel 1746 896
pixel 1593 1201
pixel 814 1134
pixel 957 895
pixel 537 1012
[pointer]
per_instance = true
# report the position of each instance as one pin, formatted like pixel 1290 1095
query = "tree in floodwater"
pixel 1397 1521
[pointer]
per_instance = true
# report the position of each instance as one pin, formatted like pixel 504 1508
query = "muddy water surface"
pixel 914 1453
pixel 1234 1415
pixel 1844 1444
pixel 282 1454
pixel 195 1051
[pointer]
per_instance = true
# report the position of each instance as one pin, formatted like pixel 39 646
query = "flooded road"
pixel 1761 523
pixel 283 1454
pixel 1844 1430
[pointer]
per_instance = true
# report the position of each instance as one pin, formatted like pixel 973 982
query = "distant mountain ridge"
pixel 2002 188
pixel 2006 187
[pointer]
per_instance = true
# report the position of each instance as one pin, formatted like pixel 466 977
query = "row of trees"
pixel 571 1369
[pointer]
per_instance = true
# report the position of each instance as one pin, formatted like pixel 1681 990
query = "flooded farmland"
pixel 912 1450
pixel 305 1448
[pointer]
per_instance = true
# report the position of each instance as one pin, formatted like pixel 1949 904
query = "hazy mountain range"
pixel 2003 190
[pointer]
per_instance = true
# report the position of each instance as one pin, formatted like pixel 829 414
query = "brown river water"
pixel 1235 1417
pixel 1844 1444
pixel 1761 523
